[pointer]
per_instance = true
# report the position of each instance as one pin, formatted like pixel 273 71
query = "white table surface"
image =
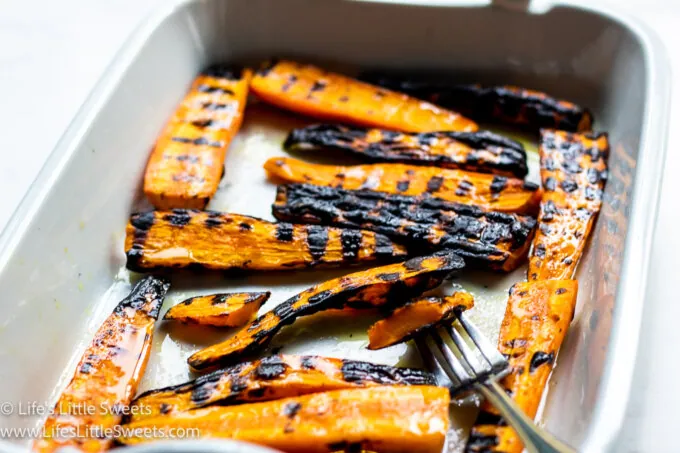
pixel 53 52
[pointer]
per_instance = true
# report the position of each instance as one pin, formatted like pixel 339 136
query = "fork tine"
pixel 489 352
pixel 468 354
pixel 450 363
pixel 427 355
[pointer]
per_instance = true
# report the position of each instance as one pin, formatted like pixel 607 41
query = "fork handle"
pixel 535 439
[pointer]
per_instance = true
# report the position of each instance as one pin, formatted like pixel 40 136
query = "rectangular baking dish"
pixel 62 250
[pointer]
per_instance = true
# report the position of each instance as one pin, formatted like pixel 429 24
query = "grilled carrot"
pixel 481 151
pixel 107 375
pixel 494 193
pixel 187 163
pixel 535 324
pixel 385 419
pixel 212 240
pixel 528 109
pixel 229 310
pixel 272 378
pixel 416 316
pixel 488 239
pixel 311 91
pixel 373 288
pixel 573 171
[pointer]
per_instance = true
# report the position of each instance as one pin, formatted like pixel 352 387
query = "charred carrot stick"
pixel 573 171
pixel 187 163
pixel 487 239
pixel 213 240
pixel 481 151
pixel 107 375
pixel 227 310
pixel 494 193
pixel 311 91
pixel 379 287
pixel 272 378
pixel 528 109
pixel 416 316
pixel 385 419
pixel 535 324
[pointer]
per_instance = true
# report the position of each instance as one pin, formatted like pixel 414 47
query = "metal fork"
pixel 471 362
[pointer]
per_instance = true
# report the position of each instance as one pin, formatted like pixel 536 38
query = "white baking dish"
pixel 61 259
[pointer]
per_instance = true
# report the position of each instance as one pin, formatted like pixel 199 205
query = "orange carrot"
pixel 187 162
pixel 311 91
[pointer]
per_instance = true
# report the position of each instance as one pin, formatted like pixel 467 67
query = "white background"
pixel 52 52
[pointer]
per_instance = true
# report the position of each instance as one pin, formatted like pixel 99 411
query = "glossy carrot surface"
pixel 321 94
pixel 494 193
pixel 187 163
pixel 573 171
pixel 107 375
pixel 410 419
pixel 536 321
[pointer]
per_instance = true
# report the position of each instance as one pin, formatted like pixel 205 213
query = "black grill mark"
pixel 392 277
pixel 434 184
pixel 219 299
pixel 238 385
pixel 290 410
pixel 202 393
pixel 210 124
pixel 540 358
pixel 184 177
pixel 143 221
pixel 317 239
pixel 392 146
pixel 358 372
pixel 539 251
pixel 289 83
pixel 498 184
pixel 217 107
pixel 550 184
pixel 270 368
pixel 253 297
pixel 560 291
pixel 414 264
pixel 243 226
pixel 319 85
pixel 498 104
pixel 428 223
pixel 202 141
pixel 572 167
pixel 308 363
pixel 351 243
pixel 213 222
pixel 284 232
pixel 383 245
pixel 593 194
pixel 215 90
pixel 402 186
pixel 178 218
pixel 569 186
pixel 187 158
